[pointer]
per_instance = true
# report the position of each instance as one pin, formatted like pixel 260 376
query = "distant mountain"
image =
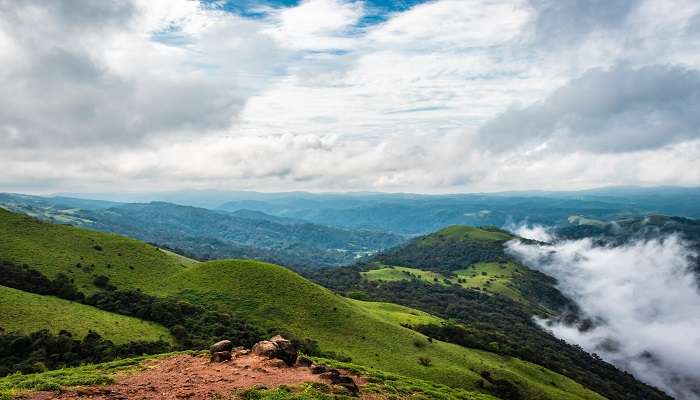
pixel 207 234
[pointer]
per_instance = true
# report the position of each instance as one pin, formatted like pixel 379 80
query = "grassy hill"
pixel 369 333
pixel 474 258
pixel 275 298
pixel 83 254
pixel 488 277
pixel 27 312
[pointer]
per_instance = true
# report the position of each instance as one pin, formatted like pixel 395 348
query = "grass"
pixel 488 277
pixel 27 312
pixel 83 254
pixel 275 298
pixel 370 333
pixel 472 233
pixel 85 375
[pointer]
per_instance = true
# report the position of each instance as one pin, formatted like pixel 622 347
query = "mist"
pixel 643 299
pixel 533 232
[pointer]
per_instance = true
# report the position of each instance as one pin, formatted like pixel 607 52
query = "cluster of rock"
pixel 279 349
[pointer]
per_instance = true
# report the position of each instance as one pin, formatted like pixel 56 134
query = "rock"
pixel 220 356
pixel 286 350
pixel 265 348
pixel 277 347
pixel 331 375
pixel 303 362
pixel 342 381
pixel 318 369
pixel 224 345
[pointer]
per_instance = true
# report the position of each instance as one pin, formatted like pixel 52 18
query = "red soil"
pixel 194 378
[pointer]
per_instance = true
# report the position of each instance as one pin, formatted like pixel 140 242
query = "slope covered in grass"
pixel 82 254
pixel 484 276
pixel 369 333
pixel 25 313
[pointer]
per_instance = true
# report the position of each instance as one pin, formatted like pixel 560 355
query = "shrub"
pixel 425 361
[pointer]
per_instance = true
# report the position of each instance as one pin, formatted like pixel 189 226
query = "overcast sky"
pixel 383 95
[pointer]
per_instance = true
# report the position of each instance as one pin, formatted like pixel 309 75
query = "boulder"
pixel 265 348
pixel 277 347
pixel 286 350
pixel 220 356
pixel 224 345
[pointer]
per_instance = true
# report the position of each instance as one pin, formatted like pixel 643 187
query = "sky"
pixel 345 95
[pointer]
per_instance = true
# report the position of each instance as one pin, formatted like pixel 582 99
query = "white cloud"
pixel 398 105
pixel 644 298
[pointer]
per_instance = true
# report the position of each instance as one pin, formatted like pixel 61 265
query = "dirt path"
pixel 194 378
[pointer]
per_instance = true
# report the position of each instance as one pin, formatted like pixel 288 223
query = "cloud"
pixel 605 111
pixel 644 298
pixel 568 22
pixel 532 232
pixel 88 74
pixel 134 93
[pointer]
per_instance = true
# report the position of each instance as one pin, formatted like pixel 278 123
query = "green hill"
pixel 275 298
pixel 25 313
pixel 83 254
pixel 369 333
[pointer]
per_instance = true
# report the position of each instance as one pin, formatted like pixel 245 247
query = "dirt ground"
pixel 194 378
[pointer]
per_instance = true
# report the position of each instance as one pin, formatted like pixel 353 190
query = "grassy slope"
pixel 270 296
pixel 368 332
pixel 471 233
pixel 58 248
pixel 497 278
pixel 27 312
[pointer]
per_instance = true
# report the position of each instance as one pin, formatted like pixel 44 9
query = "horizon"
pixel 105 195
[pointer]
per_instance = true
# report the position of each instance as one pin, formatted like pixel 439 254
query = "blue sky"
pixel 343 95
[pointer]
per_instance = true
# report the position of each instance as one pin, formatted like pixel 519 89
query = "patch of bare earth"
pixel 193 377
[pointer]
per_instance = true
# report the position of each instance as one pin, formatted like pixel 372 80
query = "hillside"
pixel 379 336
pixel 82 254
pixel 463 275
pixel 275 298
pixel 25 313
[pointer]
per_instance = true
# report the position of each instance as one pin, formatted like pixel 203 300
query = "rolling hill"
pixel 278 299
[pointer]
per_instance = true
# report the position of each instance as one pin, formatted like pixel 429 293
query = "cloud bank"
pixel 432 96
pixel 644 299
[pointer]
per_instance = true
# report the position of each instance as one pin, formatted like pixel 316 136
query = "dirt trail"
pixel 194 378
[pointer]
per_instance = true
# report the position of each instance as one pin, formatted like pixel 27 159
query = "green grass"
pixel 52 249
pixel 488 277
pixel 472 233
pixel 27 312
pixel 85 375
pixel 370 333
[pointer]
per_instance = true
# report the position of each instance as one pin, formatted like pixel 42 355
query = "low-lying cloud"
pixel 532 232
pixel 644 298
